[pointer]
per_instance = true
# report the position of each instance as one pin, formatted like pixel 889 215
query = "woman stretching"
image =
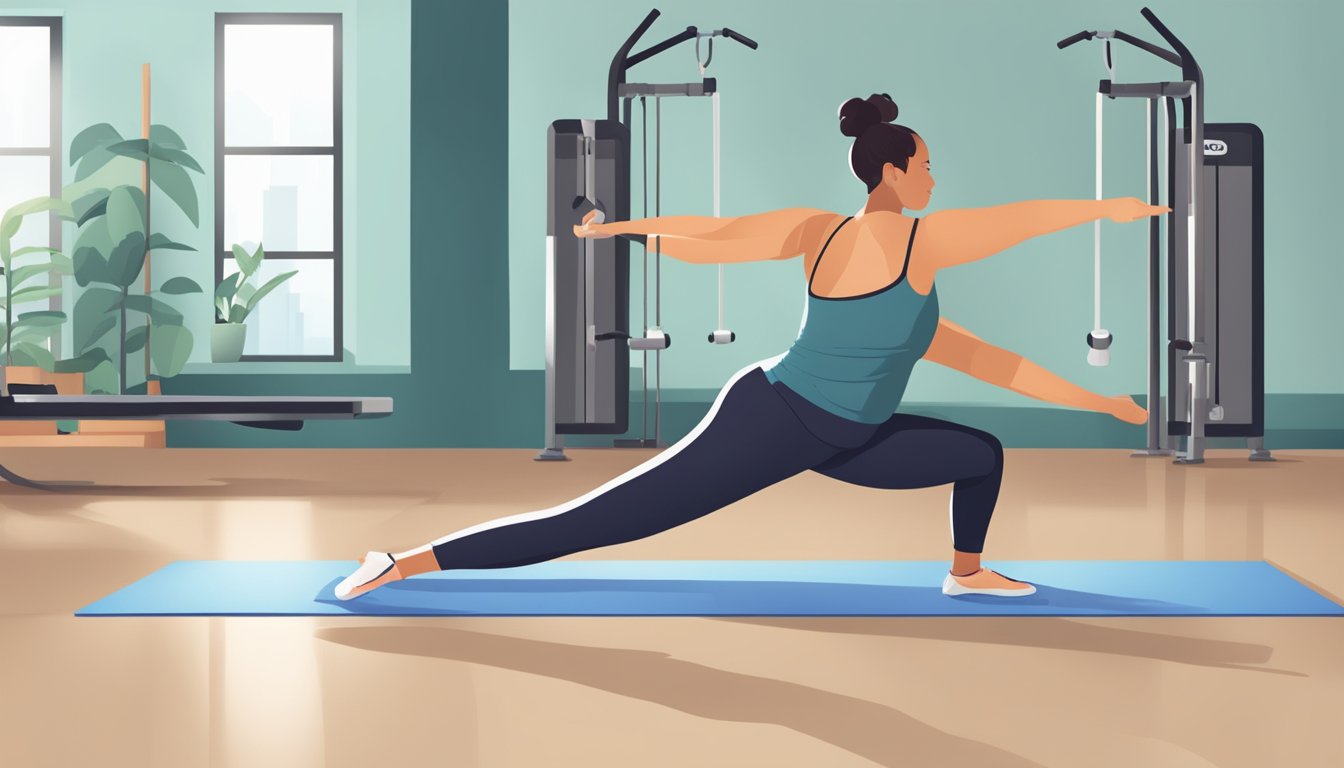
pixel 828 403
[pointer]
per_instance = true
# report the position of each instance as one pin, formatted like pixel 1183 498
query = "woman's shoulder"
pixel 816 227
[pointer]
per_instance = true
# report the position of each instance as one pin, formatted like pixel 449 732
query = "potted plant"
pixel 235 298
pixel 114 242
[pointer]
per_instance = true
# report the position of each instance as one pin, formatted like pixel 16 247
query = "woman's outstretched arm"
pixel 969 234
pixel 959 349
pixel 778 234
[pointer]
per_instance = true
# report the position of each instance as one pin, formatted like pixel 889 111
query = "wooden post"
pixel 151 387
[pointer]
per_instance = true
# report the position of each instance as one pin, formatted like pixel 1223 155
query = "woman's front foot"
pixel 375 570
pixel 986 582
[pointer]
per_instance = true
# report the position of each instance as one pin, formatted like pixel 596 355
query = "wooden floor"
pixel 503 692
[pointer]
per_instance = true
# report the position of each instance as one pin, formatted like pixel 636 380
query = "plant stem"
pixel 125 294
pixel 9 315
pixel 144 183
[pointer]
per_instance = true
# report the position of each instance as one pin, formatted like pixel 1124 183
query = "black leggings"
pixel 755 435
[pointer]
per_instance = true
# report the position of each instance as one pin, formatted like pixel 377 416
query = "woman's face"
pixel 914 185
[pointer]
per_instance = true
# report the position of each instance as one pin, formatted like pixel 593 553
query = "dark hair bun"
pixel 858 115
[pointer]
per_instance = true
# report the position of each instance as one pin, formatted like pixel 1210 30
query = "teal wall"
pixel 476 297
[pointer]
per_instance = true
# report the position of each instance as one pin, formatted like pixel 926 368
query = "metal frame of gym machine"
pixel 1215 301
pixel 588 168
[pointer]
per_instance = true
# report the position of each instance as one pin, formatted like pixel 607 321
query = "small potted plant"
pixel 235 298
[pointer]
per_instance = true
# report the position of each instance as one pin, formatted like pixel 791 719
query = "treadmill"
pixel 40 402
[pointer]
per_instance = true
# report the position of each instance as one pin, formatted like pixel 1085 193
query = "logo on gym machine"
pixel 1215 147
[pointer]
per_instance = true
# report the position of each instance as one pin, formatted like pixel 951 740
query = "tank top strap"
pixel 908 248
pixel 823 253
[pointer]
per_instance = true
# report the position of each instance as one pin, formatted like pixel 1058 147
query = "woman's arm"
pixel 958 348
pixel 780 234
pixel 960 236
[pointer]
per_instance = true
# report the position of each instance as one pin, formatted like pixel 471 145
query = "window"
pixel 278 175
pixel 30 137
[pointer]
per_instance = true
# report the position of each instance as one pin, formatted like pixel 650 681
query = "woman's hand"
pixel 1131 209
pixel 1124 408
pixel 590 230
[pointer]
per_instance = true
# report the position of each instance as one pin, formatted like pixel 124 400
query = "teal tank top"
pixel 854 355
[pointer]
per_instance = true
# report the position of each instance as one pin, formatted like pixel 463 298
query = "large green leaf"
pixel 137 149
pixel 42 318
pixel 33 335
pixel 118 171
pixel 268 287
pixel 36 326
pixel 178 186
pixel 160 242
pixel 35 293
pixel 21 274
pixel 135 338
pixel 29 353
pixel 84 363
pixel 165 137
pixel 13 219
pixel 95 315
pixel 158 310
pixel 58 260
pixel 237 313
pixel 125 214
pixel 103 379
pixel 246 261
pixel 175 156
pixel 89 149
pixel 127 260
pixel 91 138
pixel 91 205
pixel 99 330
pixel 95 235
pixel 172 347
pixel 90 267
pixel 228 287
pixel 94 210
pixel 9 225
pixel 181 285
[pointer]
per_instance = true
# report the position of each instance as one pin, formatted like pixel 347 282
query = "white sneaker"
pixel 375 566
pixel 986 582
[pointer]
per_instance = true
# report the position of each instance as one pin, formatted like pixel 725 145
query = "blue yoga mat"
pixel 720 588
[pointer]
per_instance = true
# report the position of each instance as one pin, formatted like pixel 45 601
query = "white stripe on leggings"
pixel 653 463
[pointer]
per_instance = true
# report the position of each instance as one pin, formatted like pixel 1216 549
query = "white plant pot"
pixel 226 342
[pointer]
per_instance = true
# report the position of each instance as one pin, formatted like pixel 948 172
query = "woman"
pixel 828 403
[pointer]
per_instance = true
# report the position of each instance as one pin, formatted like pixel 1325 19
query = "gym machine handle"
pixel 1156 50
pixel 743 39
pixel 1189 69
pixel 1078 38
pixel 650 52
pixel 638 33
pixel 616 74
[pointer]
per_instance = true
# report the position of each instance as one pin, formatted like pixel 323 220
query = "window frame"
pixel 336 151
pixel 53 148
